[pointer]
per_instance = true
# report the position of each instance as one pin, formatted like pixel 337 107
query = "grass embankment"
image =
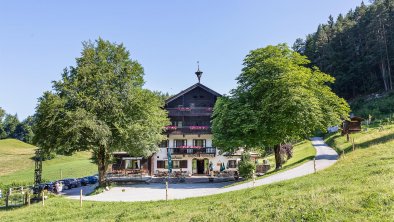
pixel 302 153
pixel 359 187
pixel 17 165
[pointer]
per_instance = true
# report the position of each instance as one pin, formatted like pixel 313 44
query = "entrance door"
pixel 200 167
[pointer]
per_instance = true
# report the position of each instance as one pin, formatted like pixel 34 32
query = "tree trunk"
pixel 278 158
pixel 383 71
pixel 102 162
pixel 390 84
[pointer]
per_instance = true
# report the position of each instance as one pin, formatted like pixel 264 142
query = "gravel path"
pixel 325 157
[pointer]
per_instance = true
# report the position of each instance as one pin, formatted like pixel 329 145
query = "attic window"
pixel 194 97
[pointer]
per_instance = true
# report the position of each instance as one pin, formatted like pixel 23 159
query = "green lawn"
pixel 358 187
pixel 302 153
pixel 17 166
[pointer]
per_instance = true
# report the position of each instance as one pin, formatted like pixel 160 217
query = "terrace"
pixel 190 111
pixel 188 130
pixel 192 150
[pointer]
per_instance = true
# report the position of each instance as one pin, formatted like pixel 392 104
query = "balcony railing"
pixel 188 130
pixel 191 151
pixel 190 111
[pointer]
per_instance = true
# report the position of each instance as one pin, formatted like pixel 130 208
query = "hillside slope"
pixel 15 155
pixel 17 165
pixel 358 188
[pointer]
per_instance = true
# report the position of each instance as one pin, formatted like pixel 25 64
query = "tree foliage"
pixel 2 131
pixel 100 105
pixel 278 98
pixel 11 127
pixel 357 49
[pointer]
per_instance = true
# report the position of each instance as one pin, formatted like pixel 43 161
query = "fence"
pixel 16 196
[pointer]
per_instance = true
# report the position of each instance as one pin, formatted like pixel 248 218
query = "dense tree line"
pixel 356 48
pixel 11 127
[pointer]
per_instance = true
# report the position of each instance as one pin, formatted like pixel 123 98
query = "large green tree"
pixel 9 124
pixel 24 131
pixel 278 98
pixel 100 105
pixel 2 131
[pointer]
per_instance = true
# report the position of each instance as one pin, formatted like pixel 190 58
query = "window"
pixel 175 164
pixel 132 164
pixel 163 144
pixel 232 164
pixel 179 143
pixel 199 142
pixel 183 163
pixel 179 124
pixel 162 164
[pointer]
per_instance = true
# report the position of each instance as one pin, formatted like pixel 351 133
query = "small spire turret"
pixel 198 73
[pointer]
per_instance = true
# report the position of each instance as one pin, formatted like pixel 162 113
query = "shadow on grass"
pixel 288 166
pixel 330 140
pixel 3 208
pixel 363 145
pixel 383 139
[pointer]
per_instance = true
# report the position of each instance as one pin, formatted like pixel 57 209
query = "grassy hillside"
pixel 14 156
pixel 357 188
pixel 379 107
pixel 17 166
pixel 302 153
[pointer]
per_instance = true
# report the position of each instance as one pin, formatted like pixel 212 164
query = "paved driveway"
pixel 325 157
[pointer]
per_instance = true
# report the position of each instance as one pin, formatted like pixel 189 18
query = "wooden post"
pixel 166 190
pixel 343 153
pixel 43 199
pixel 254 178
pixel 80 198
pixel 7 198
pixel 23 196
pixel 28 198
pixel 314 164
pixel 353 143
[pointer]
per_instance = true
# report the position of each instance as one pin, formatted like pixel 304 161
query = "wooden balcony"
pixel 190 111
pixel 175 130
pixel 192 151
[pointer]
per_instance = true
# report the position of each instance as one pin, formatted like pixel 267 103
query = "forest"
pixel 11 127
pixel 356 48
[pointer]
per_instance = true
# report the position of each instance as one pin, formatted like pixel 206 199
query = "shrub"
pixel 286 152
pixel 246 166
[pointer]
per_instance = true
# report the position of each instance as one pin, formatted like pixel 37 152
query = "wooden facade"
pixel 352 126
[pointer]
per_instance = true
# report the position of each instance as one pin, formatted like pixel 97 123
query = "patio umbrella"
pixel 222 167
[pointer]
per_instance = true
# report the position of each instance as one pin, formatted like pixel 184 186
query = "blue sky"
pixel 40 38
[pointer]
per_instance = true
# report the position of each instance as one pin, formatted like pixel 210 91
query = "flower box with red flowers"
pixel 184 109
pixel 198 127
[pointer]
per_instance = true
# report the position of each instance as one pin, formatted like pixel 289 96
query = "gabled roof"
pixel 183 92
